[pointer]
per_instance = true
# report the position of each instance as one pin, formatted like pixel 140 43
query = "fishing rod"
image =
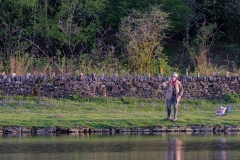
pixel 40 50
pixel 48 57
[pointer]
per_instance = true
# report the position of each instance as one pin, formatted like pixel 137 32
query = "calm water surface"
pixel 161 146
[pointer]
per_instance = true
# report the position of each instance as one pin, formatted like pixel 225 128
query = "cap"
pixel 174 74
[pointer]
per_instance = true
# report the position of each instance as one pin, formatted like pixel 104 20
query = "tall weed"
pixel 108 66
pixel 212 69
pixel 1 66
pixel 20 64
pixel 208 69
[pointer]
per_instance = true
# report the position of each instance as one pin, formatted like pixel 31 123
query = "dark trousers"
pixel 173 102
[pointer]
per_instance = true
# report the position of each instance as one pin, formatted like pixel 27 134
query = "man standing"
pixel 174 92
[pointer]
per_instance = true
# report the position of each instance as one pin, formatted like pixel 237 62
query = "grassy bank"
pixel 110 112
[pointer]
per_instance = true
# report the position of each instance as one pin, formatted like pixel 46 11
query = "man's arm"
pixel 165 83
pixel 180 91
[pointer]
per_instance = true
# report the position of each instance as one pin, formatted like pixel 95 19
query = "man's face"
pixel 173 78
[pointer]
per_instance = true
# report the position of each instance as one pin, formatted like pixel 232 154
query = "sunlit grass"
pixel 110 112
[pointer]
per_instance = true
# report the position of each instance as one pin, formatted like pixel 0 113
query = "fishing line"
pixel 47 57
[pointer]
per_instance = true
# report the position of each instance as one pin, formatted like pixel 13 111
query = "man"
pixel 174 92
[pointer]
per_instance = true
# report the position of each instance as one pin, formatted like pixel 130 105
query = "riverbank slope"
pixel 110 112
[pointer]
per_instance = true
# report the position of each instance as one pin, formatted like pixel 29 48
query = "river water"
pixel 160 146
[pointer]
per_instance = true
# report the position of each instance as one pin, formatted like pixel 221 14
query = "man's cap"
pixel 174 74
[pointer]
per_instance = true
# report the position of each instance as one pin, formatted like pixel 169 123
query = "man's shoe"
pixel 168 118
pixel 175 119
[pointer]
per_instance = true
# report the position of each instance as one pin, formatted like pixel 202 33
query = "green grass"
pixel 110 112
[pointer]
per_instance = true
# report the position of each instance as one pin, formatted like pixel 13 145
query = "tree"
pixel 142 35
pixel 116 10
pixel 234 6
pixel 183 16
pixel 200 46
pixel 231 18
pixel 13 21
pixel 78 21
pixel 27 3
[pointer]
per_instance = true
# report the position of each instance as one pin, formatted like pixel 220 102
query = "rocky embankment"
pixel 193 129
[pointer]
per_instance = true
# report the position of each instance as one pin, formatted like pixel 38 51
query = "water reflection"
pixel 175 149
pixel 166 146
pixel 222 152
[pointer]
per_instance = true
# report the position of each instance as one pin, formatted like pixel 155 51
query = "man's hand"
pixel 178 97
pixel 164 84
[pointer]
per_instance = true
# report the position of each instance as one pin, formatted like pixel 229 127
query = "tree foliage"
pixel 200 46
pixel 142 34
pixel 71 28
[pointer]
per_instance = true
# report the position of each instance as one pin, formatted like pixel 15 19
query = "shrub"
pixel 231 98
pixel 142 35
pixel 73 97
pixel 160 65
pixel 127 100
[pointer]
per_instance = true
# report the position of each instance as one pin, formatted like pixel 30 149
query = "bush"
pixel 231 98
pixel 73 97
pixel 141 35
pixel 127 100
pixel 160 65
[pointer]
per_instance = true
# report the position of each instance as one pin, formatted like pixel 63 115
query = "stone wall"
pixel 206 87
